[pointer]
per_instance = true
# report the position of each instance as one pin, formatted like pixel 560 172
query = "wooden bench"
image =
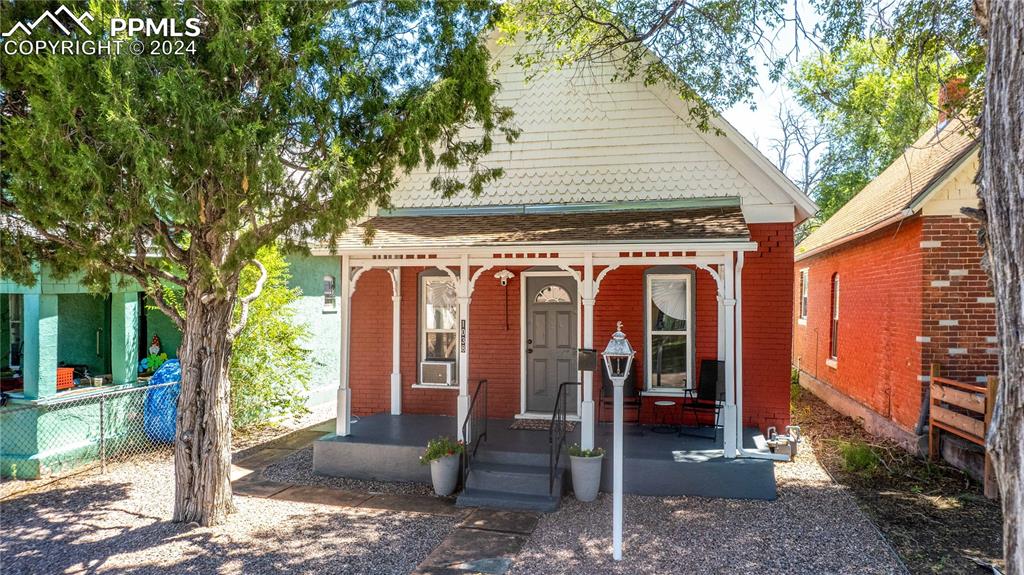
pixel 965 410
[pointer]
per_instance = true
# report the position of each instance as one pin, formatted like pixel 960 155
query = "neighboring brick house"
pixel 911 290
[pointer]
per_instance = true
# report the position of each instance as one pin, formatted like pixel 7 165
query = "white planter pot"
pixel 444 474
pixel 586 476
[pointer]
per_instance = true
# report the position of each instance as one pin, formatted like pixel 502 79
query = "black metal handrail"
pixel 557 431
pixel 476 423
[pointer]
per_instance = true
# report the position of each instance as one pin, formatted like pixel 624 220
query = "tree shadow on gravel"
pixel 83 529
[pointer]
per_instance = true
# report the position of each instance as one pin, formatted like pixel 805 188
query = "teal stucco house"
pixel 64 349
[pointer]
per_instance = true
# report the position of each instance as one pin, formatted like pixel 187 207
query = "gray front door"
pixel 550 341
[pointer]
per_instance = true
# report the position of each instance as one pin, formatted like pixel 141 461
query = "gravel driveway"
pixel 813 527
pixel 117 523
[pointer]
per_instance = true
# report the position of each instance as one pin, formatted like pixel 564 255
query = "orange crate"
pixel 65 378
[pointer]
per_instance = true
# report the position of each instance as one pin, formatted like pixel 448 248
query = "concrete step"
pixel 489 499
pixel 513 478
pixel 533 458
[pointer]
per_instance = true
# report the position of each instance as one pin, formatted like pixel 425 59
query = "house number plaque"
pixel 462 336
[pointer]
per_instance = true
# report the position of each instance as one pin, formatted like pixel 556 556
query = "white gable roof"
pixel 588 138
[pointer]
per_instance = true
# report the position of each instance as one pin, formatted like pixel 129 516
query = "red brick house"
pixel 611 208
pixel 892 284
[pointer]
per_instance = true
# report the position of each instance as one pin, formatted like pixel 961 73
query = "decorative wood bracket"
pixel 476 275
pixel 600 278
pixel 714 275
pixel 356 274
pixel 396 280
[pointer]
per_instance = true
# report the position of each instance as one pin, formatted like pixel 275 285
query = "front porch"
pixel 387 447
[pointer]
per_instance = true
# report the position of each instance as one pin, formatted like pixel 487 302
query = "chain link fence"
pixel 87 430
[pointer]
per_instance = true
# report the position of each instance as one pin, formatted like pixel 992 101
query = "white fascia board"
pixel 769 213
pixel 566 249
pixel 918 203
pixel 902 215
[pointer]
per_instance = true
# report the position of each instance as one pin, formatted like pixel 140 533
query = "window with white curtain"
pixel 803 294
pixel 669 331
pixel 440 319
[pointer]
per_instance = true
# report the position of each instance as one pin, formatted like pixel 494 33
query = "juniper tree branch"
pixel 247 300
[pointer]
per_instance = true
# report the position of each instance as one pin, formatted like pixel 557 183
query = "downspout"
pixel 743 451
pixel 739 349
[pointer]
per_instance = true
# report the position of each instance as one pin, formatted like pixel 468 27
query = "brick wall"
pixel 621 299
pixel 495 349
pixel 767 326
pixel 958 319
pixel 370 380
pixel 879 357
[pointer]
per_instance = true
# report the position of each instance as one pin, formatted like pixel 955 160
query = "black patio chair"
pixel 631 397
pixel 710 395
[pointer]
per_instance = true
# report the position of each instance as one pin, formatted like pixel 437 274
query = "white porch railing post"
pixel 462 407
pixel 396 340
pixel 729 302
pixel 343 425
pixel 587 407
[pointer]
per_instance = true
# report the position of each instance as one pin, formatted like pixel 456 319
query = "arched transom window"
pixel 552 294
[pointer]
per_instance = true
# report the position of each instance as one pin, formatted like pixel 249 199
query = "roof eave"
pixel 897 217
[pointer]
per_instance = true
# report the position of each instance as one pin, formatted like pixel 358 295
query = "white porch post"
pixel 343 424
pixel 587 408
pixel 721 315
pixel 396 340
pixel 462 407
pixel 729 302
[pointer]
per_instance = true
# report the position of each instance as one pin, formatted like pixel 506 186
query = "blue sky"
pixel 760 125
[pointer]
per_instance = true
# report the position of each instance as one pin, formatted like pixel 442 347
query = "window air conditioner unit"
pixel 437 372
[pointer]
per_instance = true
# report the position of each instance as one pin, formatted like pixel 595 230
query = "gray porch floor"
pixel 387 447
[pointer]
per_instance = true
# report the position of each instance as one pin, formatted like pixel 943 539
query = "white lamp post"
pixel 618 359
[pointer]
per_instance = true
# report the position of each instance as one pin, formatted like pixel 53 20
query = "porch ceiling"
pixel 609 227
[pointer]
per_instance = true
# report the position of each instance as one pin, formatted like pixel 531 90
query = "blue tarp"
pixel 161 409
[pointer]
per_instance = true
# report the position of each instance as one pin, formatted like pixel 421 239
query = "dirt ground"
pixel 933 515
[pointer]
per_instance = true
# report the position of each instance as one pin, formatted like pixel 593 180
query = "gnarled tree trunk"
pixel 1001 188
pixel 202 454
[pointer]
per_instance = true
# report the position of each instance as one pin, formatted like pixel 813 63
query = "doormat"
pixel 538 425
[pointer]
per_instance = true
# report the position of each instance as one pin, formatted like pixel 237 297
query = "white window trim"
pixel 331 307
pixel 649 387
pixel 804 304
pixel 833 321
pixel 423 331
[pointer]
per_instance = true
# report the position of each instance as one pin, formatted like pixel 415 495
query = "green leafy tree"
pixel 286 122
pixel 872 103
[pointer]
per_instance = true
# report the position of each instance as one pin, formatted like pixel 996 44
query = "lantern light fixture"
pixel 618 359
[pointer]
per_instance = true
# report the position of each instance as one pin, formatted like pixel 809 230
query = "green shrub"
pixel 794 376
pixel 270 369
pixel 576 451
pixel 441 446
pixel 858 456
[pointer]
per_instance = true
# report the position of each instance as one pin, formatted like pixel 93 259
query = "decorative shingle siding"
pixel 588 138
pixel 879 355
pixel 956 289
